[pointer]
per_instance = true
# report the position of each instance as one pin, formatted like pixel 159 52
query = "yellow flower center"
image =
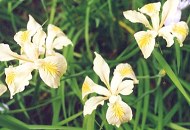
pixel 145 39
pixel 50 68
pixel 85 87
pixel 24 36
pixel 118 110
pixel 10 77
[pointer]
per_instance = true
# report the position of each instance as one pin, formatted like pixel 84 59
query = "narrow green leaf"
pixel 178 54
pixel 56 106
pixel 12 123
pixel 70 118
pixel 174 126
pixel 89 121
pixel 140 92
pixel 171 74
pixel 160 110
pixel 145 106
pixel 52 127
pixel 53 10
pixel 86 34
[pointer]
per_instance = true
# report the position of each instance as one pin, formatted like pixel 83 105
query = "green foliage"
pixel 159 101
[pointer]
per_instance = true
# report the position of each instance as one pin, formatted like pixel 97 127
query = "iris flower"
pixel 37 52
pixel 146 39
pixel 122 83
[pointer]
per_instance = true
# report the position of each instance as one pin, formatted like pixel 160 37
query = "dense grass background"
pixel 96 25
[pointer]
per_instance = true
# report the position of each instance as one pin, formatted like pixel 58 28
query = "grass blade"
pixel 12 123
pixel 171 74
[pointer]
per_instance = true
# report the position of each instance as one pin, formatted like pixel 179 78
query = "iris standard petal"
pixel 55 39
pixel 126 87
pixel 168 10
pixel 33 26
pixel 102 69
pixel 122 70
pixel 61 41
pixel 39 41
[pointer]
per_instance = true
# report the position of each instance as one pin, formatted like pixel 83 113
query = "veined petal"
pixel 125 71
pixel 3 89
pixel 39 41
pixel 126 87
pixel 55 39
pixel 136 17
pixel 168 10
pixel 122 70
pixel 6 54
pixel 52 32
pixel 146 41
pixel 89 87
pixel 18 77
pixel 61 41
pixel 165 32
pixel 102 69
pixel 51 69
pixel 151 9
pixel 23 37
pixel 30 51
pixel 118 111
pixel 180 30
pixel 173 17
pixel 33 26
pixel 92 103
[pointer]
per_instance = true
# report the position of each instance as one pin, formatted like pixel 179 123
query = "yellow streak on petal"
pixel 56 29
pixel 118 110
pixel 179 30
pixel 125 70
pixel 24 36
pixel 145 39
pixel 50 68
pixel 10 77
pixel 85 87
pixel 150 7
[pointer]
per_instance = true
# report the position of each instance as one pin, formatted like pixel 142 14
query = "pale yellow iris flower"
pixel 37 52
pixel 122 83
pixel 146 39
